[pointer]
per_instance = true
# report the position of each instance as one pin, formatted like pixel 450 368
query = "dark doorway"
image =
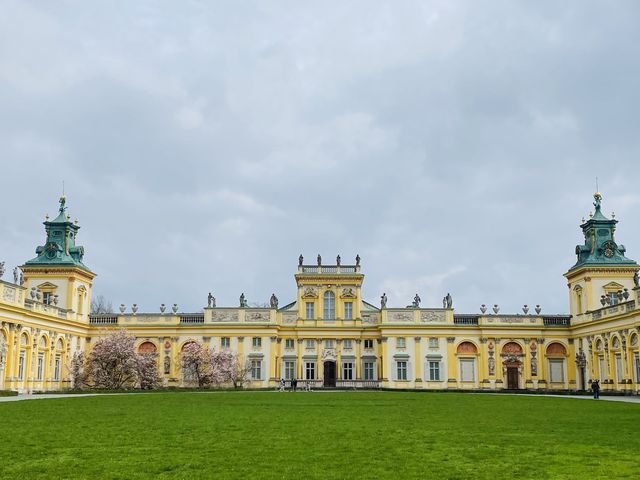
pixel 512 378
pixel 329 374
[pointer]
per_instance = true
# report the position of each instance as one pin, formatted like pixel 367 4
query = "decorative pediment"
pixel 348 292
pixel 47 286
pixel 310 292
pixel 613 287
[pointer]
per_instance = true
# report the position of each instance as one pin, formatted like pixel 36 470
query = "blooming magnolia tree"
pixel 238 371
pixel 114 364
pixel 207 367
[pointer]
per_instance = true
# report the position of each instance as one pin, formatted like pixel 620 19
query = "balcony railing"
pixel 329 268
pixel 348 384
pixel 556 321
pixel 465 319
pixel 103 319
pixel 192 319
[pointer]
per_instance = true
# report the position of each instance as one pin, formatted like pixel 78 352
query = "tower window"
pixel 329 305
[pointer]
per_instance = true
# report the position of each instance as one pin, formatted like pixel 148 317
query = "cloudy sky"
pixel 204 145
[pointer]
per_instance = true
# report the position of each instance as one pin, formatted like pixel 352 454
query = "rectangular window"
pixel 556 371
pixel 369 368
pixel 433 342
pixel 47 297
pixel 619 374
pixel 402 370
pixel 347 371
pixel 467 370
pixel 348 310
pixel 401 342
pixel 310 311
pixel 434 371
pixel 329 305
pixel 225 342
pixel 368 344
pixel 601 368
pixel 637 361
pixel 256 369
pixel 56 369
pixel 40 366
pixel 21 367
pixel 348 344
pixel 289 369
pixel 328 344
pixel 289 344
pixel 311 344
pixel 257 342
pixel 310 370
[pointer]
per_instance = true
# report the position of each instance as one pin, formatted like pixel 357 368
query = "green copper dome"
pixel 60 248
pixel 600 248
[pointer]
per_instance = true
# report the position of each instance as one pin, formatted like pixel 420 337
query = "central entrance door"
pixel 329 374
pixel 512 378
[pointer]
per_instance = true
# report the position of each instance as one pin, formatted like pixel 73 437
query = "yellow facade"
pixel 332 337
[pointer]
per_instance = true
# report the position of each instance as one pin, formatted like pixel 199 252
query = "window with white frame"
pixel 348 310
pixel 619 374
pixel 601 368
pixel 289 369
pixel 56 369
pixel 433 342
pixel 225 342
pixel 328 343
pixel 21 367
pixel 556 371
pixel 347 371
pixel 348 344
pixel 401 342
pixel 434 370
pixel 257 342
pixel 40 371
pixel 467 370
pixel 310 370
pixel 289 344
pixel 310 314
pixel 256 369
pixel 329 305
pixel 636 360
pixel 311 344
pixel 401 369
pixel 368 344
pixel 369 369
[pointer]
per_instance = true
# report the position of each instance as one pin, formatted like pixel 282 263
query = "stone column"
pixel 299 365
pixel 319 365
pixel 273 358
pixel 418 363
pixel 358 365
pixel 383 359
pixel 339 359
pixel 452 365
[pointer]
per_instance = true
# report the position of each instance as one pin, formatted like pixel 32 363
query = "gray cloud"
pixel 453 145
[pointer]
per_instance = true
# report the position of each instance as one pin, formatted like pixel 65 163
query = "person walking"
pixel 294 384
pixel 595 388
pixel 282 383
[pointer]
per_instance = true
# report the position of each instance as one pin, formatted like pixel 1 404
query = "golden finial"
pixel 583 220
pixel 46 217
pixel 75 221
pixel 613 214
pixel 590 214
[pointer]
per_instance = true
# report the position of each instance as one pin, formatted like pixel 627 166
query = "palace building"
pixel 331 336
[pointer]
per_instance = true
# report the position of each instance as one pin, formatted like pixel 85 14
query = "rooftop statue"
pixel 357 260
pixel 211 300
pixel 300 260
pixel 319 260
pixel 273 301
pixel 448 301
pixel 338 260
pixel 16 276
pixel 383 301
pixel 1 269
pixel 243 300
pixel 416 301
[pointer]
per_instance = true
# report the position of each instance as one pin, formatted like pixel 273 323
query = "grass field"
pixel 320 435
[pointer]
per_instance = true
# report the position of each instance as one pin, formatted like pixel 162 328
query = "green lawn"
pixel 370 435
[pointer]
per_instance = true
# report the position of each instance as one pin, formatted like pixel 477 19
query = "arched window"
pixel 466 348
pixel 329 305
pixel 147 347
pixel 556 349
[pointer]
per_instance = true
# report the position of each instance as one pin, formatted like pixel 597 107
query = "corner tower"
pixel 58 271
pixel 602 274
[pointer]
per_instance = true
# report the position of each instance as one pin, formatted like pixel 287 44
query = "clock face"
pixel 51 249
